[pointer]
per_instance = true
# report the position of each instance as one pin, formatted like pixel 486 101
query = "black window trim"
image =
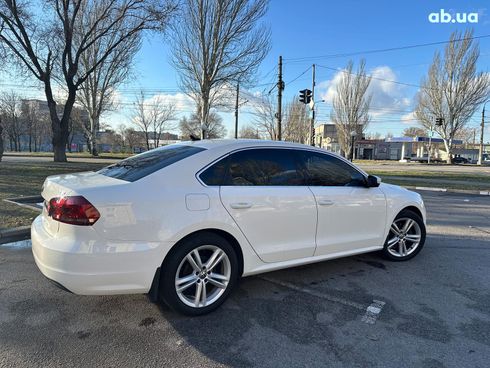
pixel 342 159
pixel 327 153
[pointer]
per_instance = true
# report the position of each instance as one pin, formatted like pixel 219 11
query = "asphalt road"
pixel 436 311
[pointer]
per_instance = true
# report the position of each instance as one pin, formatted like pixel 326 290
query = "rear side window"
pixel 326 170
pixel 215 174
pixel 255 167
pixel 139 166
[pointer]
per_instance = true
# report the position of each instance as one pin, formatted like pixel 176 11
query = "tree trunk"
pixel 94 124
pixel 60 127
pixel 204 114
pixel 1 142
pixel 30 138
pixel 448 146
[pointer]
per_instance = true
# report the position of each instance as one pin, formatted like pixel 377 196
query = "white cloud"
pixel 388 98
pixel 409 118
pixel 180 101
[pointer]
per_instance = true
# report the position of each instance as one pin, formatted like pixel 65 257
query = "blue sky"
pixel 317 28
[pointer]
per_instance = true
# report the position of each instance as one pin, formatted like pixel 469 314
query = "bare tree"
pixel 1 137
pixel 215 44
pixel 35 122
pixel 351 103
pixel 47 43
pixel 265 121
pixel 10 106
pixel 296 122
pixel 467 135
pixel 249 132
pixel 414 132
pixel 453 89
pixel 97 93
pixel 374 135
pixel 192 126
pixel 153 117
pixel 133 139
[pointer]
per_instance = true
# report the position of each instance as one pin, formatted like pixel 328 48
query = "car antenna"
pixel 194 138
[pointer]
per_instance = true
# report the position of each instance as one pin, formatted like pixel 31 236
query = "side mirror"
pixel 373 181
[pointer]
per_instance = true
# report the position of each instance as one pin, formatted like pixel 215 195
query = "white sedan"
pixel 184 222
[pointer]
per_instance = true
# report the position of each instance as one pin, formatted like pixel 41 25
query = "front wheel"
pixel 199 275
pixel 406 237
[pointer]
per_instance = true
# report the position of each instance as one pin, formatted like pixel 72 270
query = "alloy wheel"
pixel 404 238
pixel 202 276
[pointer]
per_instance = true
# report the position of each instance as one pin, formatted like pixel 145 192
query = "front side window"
pixel 139 166
pixel 326 170
pixel 255 167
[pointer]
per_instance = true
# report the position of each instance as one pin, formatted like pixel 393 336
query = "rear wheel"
pixel 199 274
pixel 406 237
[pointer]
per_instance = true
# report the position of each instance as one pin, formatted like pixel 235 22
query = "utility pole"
pixel 431 132
pixel 280 87
pixel 312 106
pixel 236 109
pixel 480 151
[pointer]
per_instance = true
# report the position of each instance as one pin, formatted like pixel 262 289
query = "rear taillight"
pixel 75 210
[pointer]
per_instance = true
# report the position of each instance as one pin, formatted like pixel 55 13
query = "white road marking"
pixel 372 312
pixel 432 189
pixel 369 317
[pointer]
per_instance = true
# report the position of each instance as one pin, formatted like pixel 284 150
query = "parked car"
pixel 460 160
pixel 424 159
pixel 184 222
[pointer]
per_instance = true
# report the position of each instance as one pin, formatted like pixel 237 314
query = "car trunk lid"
pixel 70 185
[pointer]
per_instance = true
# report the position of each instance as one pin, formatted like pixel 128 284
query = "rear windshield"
pixel 139 166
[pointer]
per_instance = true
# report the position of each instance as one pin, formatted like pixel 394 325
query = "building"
pixel 392 148
pixel 416 148
pixel 326 136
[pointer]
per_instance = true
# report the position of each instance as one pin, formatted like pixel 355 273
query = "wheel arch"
pixel 414 209
pixel 153 292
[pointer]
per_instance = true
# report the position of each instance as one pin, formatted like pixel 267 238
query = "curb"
pixel 446 190
pixel 15 234
pixel 30 202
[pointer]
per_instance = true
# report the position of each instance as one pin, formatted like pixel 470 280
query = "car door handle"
pixel 325 202
pixel 241 205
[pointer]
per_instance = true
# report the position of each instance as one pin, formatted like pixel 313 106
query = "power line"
pixel 300 75
pixel 372 77
pixel 374 51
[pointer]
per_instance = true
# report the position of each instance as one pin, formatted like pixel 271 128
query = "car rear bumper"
pixel 95 266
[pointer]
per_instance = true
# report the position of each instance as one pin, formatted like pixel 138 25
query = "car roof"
pixel 241 143
pixel 236 144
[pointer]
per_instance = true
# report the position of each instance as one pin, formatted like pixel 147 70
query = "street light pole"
pixel 236 108
pixel 312 106
pixel 480 151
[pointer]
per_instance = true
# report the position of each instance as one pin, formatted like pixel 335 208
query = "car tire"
pixel 406 237
pixel 192 281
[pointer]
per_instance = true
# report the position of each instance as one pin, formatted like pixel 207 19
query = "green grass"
pixel 440 179
pixel 26 178
pixel 68 154
pixel 483 178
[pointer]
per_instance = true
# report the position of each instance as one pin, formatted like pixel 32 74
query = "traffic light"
pixel 439 121
pixel 305 96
